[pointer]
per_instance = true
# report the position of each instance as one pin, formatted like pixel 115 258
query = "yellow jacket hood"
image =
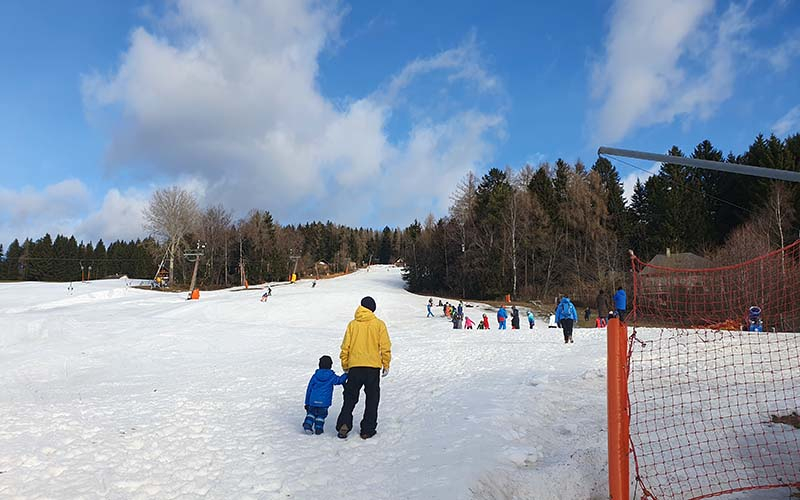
pixel 366 342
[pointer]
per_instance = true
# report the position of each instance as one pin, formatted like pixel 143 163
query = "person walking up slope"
pixel 366 349
pixel 531 320
pixel 566 316
pixel 319 394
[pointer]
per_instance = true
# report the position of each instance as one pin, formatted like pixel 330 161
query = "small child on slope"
pixel 319 395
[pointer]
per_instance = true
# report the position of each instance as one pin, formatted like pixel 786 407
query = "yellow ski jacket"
pixel 366 342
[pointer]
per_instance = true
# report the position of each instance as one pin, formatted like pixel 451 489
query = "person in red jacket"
pixel 485 322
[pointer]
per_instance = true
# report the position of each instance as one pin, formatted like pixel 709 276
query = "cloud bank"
pixel 226 93
pixel 676 59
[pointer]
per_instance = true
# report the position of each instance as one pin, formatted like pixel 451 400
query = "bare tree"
pixel 171 214
pixel 214 230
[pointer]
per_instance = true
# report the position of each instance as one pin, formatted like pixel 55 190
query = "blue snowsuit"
pixel 501 318
pixel 620 304
pixel 430 314
pixel 319 396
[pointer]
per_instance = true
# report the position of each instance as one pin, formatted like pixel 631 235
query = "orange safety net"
pixel 713 406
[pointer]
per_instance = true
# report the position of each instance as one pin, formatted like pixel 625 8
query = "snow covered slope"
pixel 114 392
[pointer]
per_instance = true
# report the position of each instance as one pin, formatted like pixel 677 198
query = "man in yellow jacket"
pixel 366 349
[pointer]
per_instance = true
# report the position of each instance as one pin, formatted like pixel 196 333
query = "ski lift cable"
pixel 721 200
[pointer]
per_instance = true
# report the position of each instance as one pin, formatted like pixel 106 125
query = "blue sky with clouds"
pixel 365 113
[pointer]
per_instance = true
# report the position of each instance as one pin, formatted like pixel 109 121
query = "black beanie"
pixel 325 362
pixel 369 303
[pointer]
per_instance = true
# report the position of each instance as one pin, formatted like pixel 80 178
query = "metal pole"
pixel 733 168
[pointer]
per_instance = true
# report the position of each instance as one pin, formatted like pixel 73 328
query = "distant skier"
pixel 269 291
pixel 468 323
pixel 365 349
pixel 514 318
pixel 501 318
pixel 485 322
pixel 264 297
pixel 460 308
pixel 314 284
pixel 620 304
pixel 319 394
pixel 531 320
pixel 430 313
pixel 586 313
pixel 566 316
pixel 456 321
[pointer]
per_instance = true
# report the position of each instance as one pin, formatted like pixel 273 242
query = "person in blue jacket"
pixel 501 318
pixel 566 316
pixel 620 304
pixel 430 304
pixel 319 395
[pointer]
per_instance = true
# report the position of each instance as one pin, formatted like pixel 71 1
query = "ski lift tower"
pixel 194 256
pixel 295 259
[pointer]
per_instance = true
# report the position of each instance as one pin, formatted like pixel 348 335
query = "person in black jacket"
pixel 514 318
pixel 602 304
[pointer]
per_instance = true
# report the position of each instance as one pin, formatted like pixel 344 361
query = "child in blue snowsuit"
pixel 319 395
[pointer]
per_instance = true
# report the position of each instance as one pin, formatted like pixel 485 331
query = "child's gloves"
pixel 385 372
pixel 306 407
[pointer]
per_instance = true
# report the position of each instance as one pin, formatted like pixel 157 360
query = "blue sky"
pixel 365 113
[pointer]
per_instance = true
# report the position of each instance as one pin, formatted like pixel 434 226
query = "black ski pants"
pixel 370 380
pixel 566 324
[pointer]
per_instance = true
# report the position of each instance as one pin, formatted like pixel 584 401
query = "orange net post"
pixel 618 438
pixel 714 377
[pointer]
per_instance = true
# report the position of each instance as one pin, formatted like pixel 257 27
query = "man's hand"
pixel 385 372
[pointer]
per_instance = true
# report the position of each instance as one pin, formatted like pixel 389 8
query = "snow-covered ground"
pixel 113 392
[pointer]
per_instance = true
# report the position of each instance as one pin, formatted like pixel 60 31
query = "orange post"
pixel 618 417
pixel 508 298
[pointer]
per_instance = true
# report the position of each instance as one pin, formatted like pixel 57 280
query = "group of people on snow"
pixel 460 320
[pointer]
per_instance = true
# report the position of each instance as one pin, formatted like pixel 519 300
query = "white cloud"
pixel 227 94
pixel 65 208
pixel 119 217
pixel 788 123
pixel 31 212
pixel 665 59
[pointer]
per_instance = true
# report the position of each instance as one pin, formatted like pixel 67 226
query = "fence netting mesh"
pixel 714 402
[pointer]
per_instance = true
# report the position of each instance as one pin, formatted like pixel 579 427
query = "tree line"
pixel 64 259
pixel 530 232
pixel 256 244
pixel 565 228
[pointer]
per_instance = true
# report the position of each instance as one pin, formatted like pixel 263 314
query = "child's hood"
pixel 324 374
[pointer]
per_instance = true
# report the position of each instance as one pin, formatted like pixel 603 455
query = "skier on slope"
pixel 566 316
pixel 531 320
pixel 430 313
pixel 501 318
pixel 319 394
pixel 485 322
pixel 514 318
pixel 365 349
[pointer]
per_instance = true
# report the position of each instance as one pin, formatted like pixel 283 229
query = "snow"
pixel 114 392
